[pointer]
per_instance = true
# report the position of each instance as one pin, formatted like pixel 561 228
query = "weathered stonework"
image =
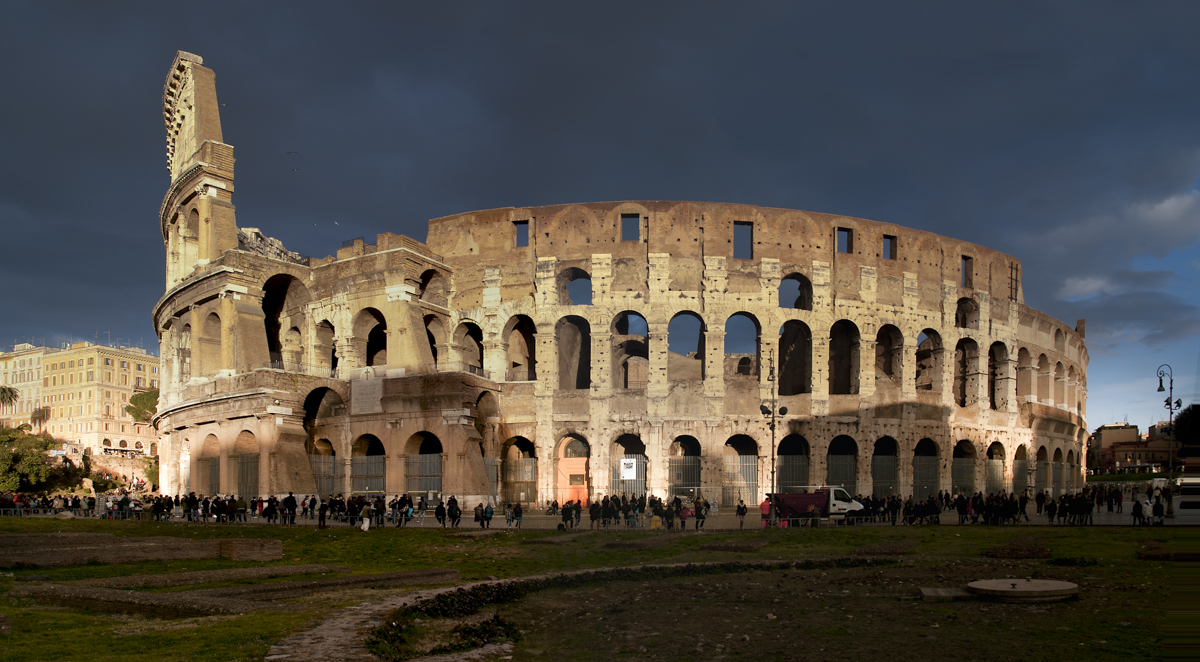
pixel 464 366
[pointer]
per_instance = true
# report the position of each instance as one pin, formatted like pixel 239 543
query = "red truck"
pixel 823 502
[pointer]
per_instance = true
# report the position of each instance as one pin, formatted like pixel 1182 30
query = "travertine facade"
pixel 524 353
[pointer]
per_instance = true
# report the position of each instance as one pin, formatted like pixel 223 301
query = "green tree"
pixel 143 406
pixel 1187 431
pixel 8 395
pixel 23 461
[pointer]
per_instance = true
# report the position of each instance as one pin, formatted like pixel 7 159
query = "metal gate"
pixel 842 470
pixel 248 475
pixel 491 466
pixel 739 480
pixel 367 474
pixel 684 477
pixel 995 476
pixel 520 480
pixel 925 476
pixel 792 475
pixel 883 475
pixel 1056 475
pixel 214 475
pixel 1020 476
pixel 327 472
pixel 962 476
pixel 1039 479
pixel 423 476
pixel 635 487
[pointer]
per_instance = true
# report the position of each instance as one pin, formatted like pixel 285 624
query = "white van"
pixel 1186 501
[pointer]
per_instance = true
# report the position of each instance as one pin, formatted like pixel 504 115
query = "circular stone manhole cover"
pixel 1024 590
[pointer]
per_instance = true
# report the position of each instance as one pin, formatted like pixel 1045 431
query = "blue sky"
pixel 1066 134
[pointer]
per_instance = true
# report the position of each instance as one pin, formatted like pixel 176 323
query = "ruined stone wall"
pixel 481 348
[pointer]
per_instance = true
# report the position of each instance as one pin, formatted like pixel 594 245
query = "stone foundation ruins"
pixel 574 351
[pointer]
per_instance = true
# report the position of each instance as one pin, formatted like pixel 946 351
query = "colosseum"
pixel 578 350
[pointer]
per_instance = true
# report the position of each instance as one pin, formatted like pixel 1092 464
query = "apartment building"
pixel 22 369
pixel 86 388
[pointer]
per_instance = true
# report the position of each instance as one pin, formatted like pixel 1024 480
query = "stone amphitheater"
pixel 573 351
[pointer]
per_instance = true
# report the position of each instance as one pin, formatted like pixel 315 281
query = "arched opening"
pixel 283 301
pixel 841 463
pixel 683 463
pixel 137 445
pixel 520 471
pixel 185 353
pixel 929 361
pixel 107 443
pixel 212 354
pixel 629 466
pixel 795 291
pixel 433 288
pixel 1043 380
pixel 469 339
pixel 522 353
pixel 208 466
pixel 630 351
pixel 966 372
pixel 1056 473
pixel 573 335
pixel 153 450
pixel 792 465
pixel 423 466
pixel 994 465
pixel 795 358
pixel 739 480
pixel 368 465
pixel 1041 473
pixel 966 315
pixel 925 469
pixel 1020 471
pixel 685 347
pixel 843 358
pixel 574 472
pixel 884 468
pixel 889 356
pixel 326 348
pixel 742 357
pixel 1060 385
pixel 435 335
pixel 245 457
pixel 998 376
pixel 962 468
pixel 574 287
pixel 1060 341
pixel 1072 401
pixel 370 337
pixel 1025 375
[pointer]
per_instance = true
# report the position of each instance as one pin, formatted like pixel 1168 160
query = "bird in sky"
pixel 223 105
pixel 295 170
pixel 336 223
pixel 293 152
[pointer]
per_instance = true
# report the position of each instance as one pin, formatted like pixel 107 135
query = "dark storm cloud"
pixel 1067 135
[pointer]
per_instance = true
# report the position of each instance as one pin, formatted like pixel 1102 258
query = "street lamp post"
pixel 1171 405
pixel 771 412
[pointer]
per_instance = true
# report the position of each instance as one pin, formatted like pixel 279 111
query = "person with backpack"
pixel 741 511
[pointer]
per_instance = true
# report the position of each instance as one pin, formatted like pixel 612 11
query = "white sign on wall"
pixel 628 469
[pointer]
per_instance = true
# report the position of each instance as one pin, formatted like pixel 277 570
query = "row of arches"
pixel 573 287
pixel 137 445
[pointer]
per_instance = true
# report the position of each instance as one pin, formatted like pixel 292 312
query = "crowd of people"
pixel 630 511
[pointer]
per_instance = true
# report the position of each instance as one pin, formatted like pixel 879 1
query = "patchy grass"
pixel 45 632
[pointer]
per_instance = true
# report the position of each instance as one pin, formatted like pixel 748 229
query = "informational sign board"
pixel 628 469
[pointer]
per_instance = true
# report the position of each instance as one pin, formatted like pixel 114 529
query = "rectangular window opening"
pixel 845 240
pixel 889 247
pixel 522 228
pixel 631 227
pixel 743 240
pixel 968 272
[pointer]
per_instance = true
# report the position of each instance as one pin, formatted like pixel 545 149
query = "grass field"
pixel 695 614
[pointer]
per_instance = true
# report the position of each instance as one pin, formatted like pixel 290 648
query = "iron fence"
pixel 248 475
pixel 368 474
pixel 995 476
pixel 684 477
pixel 925 476
pixel 791 474
pixel 1020 476
pixel 327 471
pixel 739 480
pixel 631 486
pixel 842 470
pixel 962 475
pixel 423 475
pixel 883 475
pixel 520 480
